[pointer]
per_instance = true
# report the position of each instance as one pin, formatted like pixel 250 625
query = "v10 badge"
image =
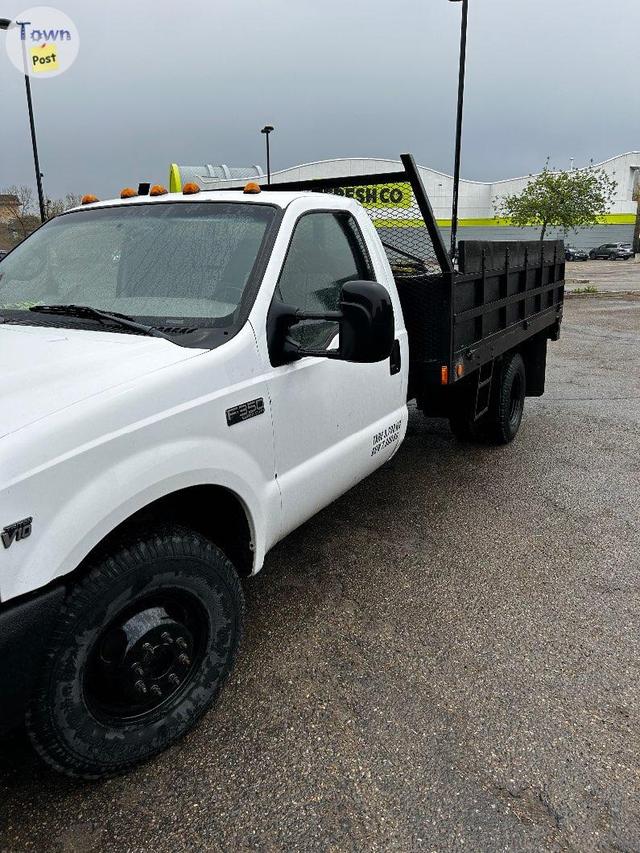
pixel 16 532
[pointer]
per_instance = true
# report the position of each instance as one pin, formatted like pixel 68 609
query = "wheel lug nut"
pixel 141 687
pixel 185 660
pixel 181 643
pixel 148 648
pixel 155 691
pixel 174 681
pixel 137 669
pixel 167 638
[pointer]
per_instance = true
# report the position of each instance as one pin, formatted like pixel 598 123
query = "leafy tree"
pixel 566 200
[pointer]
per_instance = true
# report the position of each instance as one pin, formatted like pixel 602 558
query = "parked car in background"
pixel 612 251
pixel 573 254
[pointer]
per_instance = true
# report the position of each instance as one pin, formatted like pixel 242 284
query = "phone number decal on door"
pixel 386 437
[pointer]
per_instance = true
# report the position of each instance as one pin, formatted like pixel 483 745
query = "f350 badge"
pixel 17 531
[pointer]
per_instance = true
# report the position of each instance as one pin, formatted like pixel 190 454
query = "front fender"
pixel 75 502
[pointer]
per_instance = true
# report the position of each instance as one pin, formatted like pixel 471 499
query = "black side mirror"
pixel 366 326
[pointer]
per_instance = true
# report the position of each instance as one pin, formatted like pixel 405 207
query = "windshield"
pixel 166 263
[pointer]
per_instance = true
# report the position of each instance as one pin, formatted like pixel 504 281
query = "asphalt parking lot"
pixel 446 658
pixel 605 276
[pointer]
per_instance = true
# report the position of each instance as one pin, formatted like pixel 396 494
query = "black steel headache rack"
pixel 504 294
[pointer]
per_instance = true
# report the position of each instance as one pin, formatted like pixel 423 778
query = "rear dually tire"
pixel 507 401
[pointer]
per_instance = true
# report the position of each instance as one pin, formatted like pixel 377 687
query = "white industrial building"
pixel 477 205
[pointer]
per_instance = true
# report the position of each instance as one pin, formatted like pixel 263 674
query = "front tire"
pixel 140 652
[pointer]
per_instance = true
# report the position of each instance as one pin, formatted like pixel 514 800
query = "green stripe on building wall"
pixel 608 219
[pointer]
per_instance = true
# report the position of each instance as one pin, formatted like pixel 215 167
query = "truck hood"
pixel 44 370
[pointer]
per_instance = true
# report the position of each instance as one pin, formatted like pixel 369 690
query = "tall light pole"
pixel 5 23
pixel 456 168
pixel 267 130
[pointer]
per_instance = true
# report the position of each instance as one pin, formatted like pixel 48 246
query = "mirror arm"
pixel 326 315
pixel 294 351
pixel 281 318
pixel 303 353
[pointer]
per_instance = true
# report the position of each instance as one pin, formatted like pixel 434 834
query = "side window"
pixel 326 250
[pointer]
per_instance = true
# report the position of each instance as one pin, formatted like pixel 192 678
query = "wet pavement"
pixel 447 658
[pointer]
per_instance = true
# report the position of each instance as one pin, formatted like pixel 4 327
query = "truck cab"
pixel 183 374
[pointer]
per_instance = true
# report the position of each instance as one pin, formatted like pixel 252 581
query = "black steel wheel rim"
pixel 146 657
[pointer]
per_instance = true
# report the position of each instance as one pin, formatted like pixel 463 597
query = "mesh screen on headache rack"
pixel 395 213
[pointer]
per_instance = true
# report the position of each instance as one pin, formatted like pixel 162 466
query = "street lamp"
pixel 5 23
pixel 267 130
pixel 456 169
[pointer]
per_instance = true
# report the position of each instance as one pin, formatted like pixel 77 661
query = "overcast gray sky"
pixel 193 82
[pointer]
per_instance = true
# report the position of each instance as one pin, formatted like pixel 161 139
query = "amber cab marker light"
pixel 459 369
pixel 128 192
pixel 190 189
pixel 158 189
pixel 252 188
pixel 444 375
pixel 89 199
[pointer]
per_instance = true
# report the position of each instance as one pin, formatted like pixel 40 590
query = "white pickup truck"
pixel 186 378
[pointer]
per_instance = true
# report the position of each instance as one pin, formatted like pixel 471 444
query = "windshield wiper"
pixel 102 316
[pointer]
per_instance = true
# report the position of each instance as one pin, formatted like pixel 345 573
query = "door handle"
pixel 395 359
